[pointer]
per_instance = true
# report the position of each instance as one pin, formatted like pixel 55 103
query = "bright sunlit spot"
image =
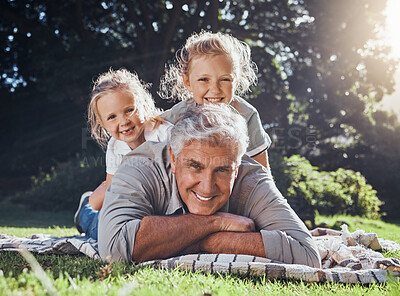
pixel 392 37
pixel 392 34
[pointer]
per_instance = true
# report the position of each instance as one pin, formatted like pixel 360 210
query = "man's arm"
pixel 284 235
pixel 163 237
pixel 248 243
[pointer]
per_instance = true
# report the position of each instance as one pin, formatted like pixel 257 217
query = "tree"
pixel 321 73
pixel 54 50
pixel 84 38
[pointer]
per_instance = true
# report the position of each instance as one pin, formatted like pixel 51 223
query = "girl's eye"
pixel 203 79
pixel 111 117
pixel 131 110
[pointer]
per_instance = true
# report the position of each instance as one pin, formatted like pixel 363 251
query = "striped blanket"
pixel 346 257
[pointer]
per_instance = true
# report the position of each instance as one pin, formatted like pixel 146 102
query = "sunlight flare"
pixel 391 33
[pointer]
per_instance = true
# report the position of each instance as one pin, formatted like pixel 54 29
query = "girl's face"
pixel 211 79
pixel 118 118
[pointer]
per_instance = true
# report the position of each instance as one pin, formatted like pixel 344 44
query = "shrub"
pixel 61 188
pixel 339 192
pixel 364 201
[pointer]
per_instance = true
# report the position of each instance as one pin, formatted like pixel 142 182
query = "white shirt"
pixel 117 149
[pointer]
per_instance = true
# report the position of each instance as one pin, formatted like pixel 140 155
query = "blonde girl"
pixel 122 116
pixel 215 68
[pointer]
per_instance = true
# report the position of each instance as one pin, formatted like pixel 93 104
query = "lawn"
pixel 79 275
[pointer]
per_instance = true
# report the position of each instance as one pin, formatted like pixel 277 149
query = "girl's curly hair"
pixel 208 44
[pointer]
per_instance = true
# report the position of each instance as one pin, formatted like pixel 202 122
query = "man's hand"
pixel 234 223
pixel 163 237
pixel 236 235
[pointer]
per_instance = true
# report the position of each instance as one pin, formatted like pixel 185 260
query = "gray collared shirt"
pixel 144 185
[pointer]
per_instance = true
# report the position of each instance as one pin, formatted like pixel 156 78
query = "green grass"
pixel 19 216
pixel 148 281
pixel 386 230
pixel 80 275
pixel 23 231
pixel 20 221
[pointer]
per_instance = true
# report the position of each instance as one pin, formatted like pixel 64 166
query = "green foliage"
pixel 339 192
pixel 317 71
pixel 62 187
pixel 360 197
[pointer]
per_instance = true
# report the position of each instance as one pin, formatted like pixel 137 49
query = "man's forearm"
pixel 163 237
pixel 249 243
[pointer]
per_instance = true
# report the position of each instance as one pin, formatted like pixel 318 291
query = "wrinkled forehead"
pixel 209 153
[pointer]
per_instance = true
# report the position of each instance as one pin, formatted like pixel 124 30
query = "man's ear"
pixel 237 170
pixel 173 160
pixel 186 82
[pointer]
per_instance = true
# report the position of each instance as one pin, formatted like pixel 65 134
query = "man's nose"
pixel 207 183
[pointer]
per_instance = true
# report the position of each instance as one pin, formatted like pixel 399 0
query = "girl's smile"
pixel 128 131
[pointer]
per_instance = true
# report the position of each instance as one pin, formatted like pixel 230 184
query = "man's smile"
pixel 202 197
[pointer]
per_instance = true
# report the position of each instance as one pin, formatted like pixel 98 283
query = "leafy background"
pixel 322 76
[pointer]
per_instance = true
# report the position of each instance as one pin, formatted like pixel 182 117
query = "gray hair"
pixel 217 124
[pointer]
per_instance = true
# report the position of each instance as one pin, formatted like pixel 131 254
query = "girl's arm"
pixel 262 158
pixel 97 197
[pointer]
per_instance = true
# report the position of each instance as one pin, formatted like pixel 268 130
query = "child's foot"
pixel 84 200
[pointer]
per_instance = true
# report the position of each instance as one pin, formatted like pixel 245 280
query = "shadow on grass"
pixel 20 216
pixel 392 221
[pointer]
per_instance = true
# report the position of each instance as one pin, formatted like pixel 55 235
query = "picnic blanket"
pixel 49 244
pixel 346 257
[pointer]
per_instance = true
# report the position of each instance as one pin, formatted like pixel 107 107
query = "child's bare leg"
pixel 97 197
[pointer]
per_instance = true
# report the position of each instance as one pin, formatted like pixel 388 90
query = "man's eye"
pixel 203 79
pixel 222 170
pixel 194 165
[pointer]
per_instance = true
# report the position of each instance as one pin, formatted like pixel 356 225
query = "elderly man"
pixel 199 195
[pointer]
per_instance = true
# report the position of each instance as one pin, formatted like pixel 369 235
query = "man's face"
pixel 205 176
